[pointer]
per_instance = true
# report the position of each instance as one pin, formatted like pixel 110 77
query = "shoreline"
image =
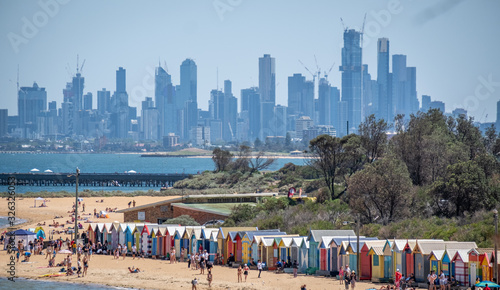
pixel 17 222
pixel 40 280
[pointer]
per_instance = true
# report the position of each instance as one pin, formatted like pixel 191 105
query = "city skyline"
pixel 234 57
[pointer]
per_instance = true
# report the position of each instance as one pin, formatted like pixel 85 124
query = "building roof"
pixel 224 231
pixel 376 250
pixel 318 234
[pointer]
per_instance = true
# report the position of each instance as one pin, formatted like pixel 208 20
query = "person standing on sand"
pixel 83 205
pixel 240 278
pixel 209 278
pixel 341 275
pixel 133 203
pixel 85 266
pixel 245 271
pixel 353 279
pixel 295 268
pixel 134 251
pixel 124 251
pixel 259 267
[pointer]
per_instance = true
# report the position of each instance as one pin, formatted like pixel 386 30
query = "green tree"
pixel 373 137
pixel 383 188
pixel 464 189
pixel 221 158
pixel 183 220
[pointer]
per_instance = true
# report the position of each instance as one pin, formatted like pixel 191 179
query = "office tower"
pixel 280 121
pixel 31 102
pixel 307 101
pixel 295 92
pixel 4 122
pixel 369 103
pixel 66 115
pixel 120 117
pixel 165 102
pixel 343 122
pixel 149 120
pixel 324 105
pixel 351 69
pixel 250 112
pixel 399 77
pixel 188 96
pixel 103 101
pixel 437 105
pixel 334 107
pixel 411 91
pixel 301 124
pixel 384 99
pixel 230 112
pixel 121 80
pixel 426 103
pixel 87 102
pixel 200 135
pixel 267 79
pixel 77 86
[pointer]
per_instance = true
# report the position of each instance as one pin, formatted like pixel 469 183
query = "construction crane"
pixel 343 25
pixel 327 73
pixel 363 30
pixel 313 75
pixel 83 63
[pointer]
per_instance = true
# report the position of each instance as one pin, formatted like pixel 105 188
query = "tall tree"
pixel 260 162
pixel 222 158
pixel 373 137
pixel 382 189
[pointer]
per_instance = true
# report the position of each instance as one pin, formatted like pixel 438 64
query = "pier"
pixel 94 179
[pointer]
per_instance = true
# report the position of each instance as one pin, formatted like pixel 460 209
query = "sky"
pixel 454 44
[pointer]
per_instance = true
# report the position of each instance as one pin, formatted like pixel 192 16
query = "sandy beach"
pixel 156 274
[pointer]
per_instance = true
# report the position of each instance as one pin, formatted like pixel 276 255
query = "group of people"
pixel 445 282
pixel 348 277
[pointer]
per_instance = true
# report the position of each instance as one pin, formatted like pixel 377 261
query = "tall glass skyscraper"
pixel 384 99
pixel 351 69
pixel 189 96
pixel 267 89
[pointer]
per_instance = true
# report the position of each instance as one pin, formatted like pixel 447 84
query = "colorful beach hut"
pixel 304 253
pixel 314 239
pixel 225 246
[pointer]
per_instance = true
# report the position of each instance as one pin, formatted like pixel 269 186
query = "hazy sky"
pixel 453 44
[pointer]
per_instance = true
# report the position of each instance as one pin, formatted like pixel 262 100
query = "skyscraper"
pixel 165 102
pixel 4 122
pixel 149 120
pixel 121 80
pixel 267 79
pixel 295 91
pixel 31 102
pixel 103 101
pixel 267 89
pixel 351 69
pixel 251 104
pixel 384 99
pixel 87 101
pixel 399 76
pixel 426 103
pixel 230 112
pixel 188 96
pixel 120 117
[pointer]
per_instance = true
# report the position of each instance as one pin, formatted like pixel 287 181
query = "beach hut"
pixel 129 238
pixel 324 253
pixel 314 239
pixel 91 233
pixel 295 248
pixel 389 270
pixel 485 263
pixel 303 254
pixel 172 236
pixel 115 229
pixel 107 233
pixel 421 253
pixel 398 256
pixel 146 239
pixel 180 240
pixel 268 253
pixel 249 244
pixel 222 239
pixel 377 263
pixel 461 261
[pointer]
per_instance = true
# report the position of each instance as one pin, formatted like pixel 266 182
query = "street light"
pixel 495 265
pixel 76 208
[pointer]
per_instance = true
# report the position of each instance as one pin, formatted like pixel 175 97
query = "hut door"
pixel 472 273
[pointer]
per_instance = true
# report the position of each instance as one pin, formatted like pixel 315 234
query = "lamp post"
pixel 76 208
pixel 358 273
pixel 495 265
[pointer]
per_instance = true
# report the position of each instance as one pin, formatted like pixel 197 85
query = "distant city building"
pixel 280 120
pixel 170 140
pixel 301 124
pixel 31 102
pixel 120 111
pixel 437 105
pixel 267 90
pixel 103 101
pixel 165 102
pixel 351 69
pixel 384 110
pixel 459 112
pixel 200 135
pixel 189 95
pixel 87 102
pixel 426 103
pixel 149 120
pixel 4 122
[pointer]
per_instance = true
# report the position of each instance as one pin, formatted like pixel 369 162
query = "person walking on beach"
pixel 134 250
pixel 353 279
pixel 245 271
pixel 85 266
pixel 295 268
pixel 124 251
pixel 182 254
pixel 79 264
pixel 209 278
pixel 240 278
pixel 259 267
pixel 397 279
pixel 341 275
pixel 133 203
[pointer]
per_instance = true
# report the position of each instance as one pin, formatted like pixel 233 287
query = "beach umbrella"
pixel 34 170
pixel 65 252
pixel 48 171
pixel 38 198
pixel 490 284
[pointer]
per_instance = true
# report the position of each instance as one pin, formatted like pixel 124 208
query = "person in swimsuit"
pixel 245 271
pixel 240 270
pixel 209 278
pixel 85 266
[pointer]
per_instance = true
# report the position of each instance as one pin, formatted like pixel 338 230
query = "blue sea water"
pixel 107 163
pixel 21 283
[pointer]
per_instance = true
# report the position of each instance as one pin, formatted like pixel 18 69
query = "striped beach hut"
pixel 180 240
pixel 209 243
pixel 129 238
pixel 224 244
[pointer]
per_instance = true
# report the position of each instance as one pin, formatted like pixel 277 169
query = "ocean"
pixel 108 163
pixel 21 283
